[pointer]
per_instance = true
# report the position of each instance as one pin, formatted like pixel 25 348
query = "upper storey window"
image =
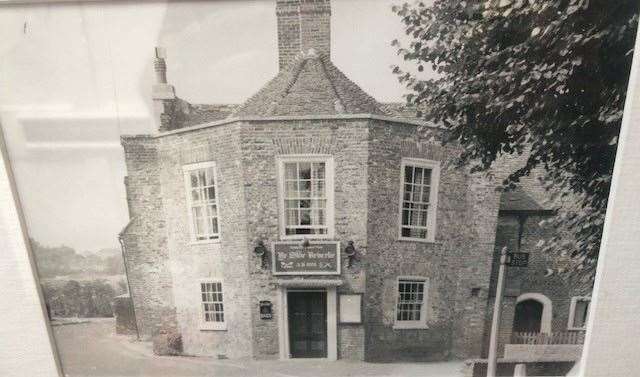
pixel 202 201
pixel 418 199
pixel 306 196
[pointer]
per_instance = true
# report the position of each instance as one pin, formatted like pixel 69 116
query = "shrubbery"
pixel 71 298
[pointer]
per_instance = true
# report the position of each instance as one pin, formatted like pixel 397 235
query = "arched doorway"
pixel 532 313
pixel 528 316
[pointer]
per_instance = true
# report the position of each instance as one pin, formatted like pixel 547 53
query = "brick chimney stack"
pixel 161 90
pixel 303 25
pixel 163 94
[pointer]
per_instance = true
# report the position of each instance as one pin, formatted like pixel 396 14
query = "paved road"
pixel 92 349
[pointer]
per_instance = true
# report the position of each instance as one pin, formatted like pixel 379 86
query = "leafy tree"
pixel 543 81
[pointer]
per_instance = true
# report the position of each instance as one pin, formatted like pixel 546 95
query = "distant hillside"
pixel 63 261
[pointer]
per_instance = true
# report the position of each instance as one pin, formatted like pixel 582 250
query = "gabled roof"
pixel 310 85
pixel 519 201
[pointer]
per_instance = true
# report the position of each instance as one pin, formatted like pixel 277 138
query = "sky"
pixel 80 75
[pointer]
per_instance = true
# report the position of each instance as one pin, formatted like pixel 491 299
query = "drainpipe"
pixel 126 272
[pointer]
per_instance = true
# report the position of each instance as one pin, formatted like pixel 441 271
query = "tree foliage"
pixel 544 80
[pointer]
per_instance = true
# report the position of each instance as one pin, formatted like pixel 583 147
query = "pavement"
pixel 93 349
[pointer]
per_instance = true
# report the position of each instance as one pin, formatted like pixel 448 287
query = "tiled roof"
pixel 198 114
pixel 310 85
pixel 519 200
pixel 399 110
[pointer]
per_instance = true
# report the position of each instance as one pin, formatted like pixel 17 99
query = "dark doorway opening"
pixel 307 316
pixel 528 316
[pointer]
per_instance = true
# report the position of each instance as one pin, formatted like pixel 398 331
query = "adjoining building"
pixel 313 221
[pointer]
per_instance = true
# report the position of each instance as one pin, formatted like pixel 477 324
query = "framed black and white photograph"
pixel 318 187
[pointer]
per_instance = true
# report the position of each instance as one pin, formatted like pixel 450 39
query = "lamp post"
pixel 497 309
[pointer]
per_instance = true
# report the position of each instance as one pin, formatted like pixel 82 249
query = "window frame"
pixel 572 312
pixel 329 186
pixel 186 170
pixel 432 212
pixel 211 325
pixel 422 323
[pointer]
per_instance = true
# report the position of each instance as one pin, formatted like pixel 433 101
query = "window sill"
pixel 418 240
pixel 397 326
pixel 302 238
pixel 206 242
pixel 208 327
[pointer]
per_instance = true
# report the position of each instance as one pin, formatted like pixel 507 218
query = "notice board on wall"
pixel 351 308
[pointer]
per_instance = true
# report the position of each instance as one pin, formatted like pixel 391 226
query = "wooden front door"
pixel 307 317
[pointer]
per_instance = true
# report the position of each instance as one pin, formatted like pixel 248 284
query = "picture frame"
pixel 27 337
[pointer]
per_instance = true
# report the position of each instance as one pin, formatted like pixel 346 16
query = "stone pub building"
pixel 312 221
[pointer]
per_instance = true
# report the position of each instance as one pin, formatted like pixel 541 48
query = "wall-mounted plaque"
pixel 351 308
pixel 266 310
pixel 316 258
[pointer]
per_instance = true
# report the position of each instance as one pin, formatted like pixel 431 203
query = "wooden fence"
pixel 568 337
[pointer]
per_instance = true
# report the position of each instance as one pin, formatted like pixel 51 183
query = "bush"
pixel 167 343
pixel 79 299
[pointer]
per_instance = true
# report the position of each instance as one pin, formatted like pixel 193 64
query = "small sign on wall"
pixel 315 258
pixel 351 308
pixel 266 310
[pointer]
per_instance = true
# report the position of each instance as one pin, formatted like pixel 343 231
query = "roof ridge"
pixel 339 104
pixel 311 84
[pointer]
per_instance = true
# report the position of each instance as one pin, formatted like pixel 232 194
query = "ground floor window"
pixel 579 313
pixel 212 316
pixel 411 305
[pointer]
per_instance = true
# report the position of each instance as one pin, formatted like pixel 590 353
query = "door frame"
pixel 547 309
pixel 332 322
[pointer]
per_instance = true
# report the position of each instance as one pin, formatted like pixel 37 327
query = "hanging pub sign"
pixel 517 259
pixel 266 310
pixel 306 258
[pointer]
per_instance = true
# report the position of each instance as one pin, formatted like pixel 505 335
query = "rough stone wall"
pixel 475 266
pixel 144 239
pixel 302 24
pixel 347 142
pixel 125 316
pixel 447 263
pixel 224 260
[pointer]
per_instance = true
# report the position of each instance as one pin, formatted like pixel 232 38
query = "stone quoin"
pixel 307 165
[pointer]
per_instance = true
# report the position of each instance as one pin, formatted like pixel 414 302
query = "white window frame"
pixel 433 197
pixel 422 323
pixel 572 312
pixel 186 170
pixel 329 185
pixel 211 325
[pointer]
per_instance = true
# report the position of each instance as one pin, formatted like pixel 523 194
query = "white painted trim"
pixel 332 323
pixel 572 312
pixel 363 116
pixel 329 185
pixel 547 309
pixel 433 197
pixel 186 169
pixel 416 325
pixel 211 326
